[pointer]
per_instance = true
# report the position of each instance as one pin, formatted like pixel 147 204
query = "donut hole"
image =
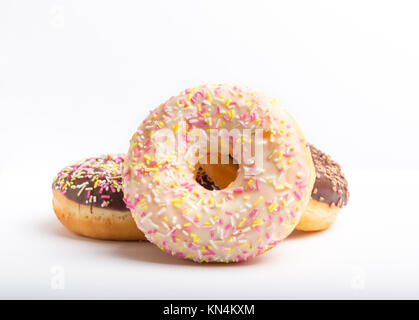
pixel 216 176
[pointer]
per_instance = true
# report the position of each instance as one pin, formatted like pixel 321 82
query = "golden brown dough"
pixel 95 222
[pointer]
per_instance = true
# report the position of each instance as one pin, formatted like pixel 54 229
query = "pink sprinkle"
pixel 228 226
pixel 290 154
pixel 267 235
pixel 297 194
pixel 209 252
pixel 239 190
pixel 253 212
pixel 105 197
pixel 138 153
pixel 257 184
pixel 229 213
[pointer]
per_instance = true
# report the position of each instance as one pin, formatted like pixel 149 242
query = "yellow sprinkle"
pixel 197 216
pixel 258 201
pixel 272 207
pixel 207 223
pixel 246 197
pixel 257 222
pixel 230 239
pixel 228 101
pixel 165 218
pixel 191 255
pixel 187 224
pixel 229 250
pixel 144 207
pixel 209 96
pixel 242 221
pixel 280 155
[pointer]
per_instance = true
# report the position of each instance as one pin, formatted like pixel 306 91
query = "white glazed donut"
pixel 255 212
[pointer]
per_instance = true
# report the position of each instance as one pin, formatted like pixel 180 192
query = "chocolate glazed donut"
pixel 88 200
pixel 330 193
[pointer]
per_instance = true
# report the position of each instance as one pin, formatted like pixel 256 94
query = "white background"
pixel 77 77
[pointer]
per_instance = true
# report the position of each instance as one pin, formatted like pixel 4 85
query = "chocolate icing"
pixel 330 186
pixel 94 181
pixel 204 180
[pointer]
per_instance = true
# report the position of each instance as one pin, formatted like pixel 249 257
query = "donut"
pixel 88 199
pixel 254 212
pixel 330 194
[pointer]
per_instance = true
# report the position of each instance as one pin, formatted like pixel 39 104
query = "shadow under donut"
pixel 141 251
